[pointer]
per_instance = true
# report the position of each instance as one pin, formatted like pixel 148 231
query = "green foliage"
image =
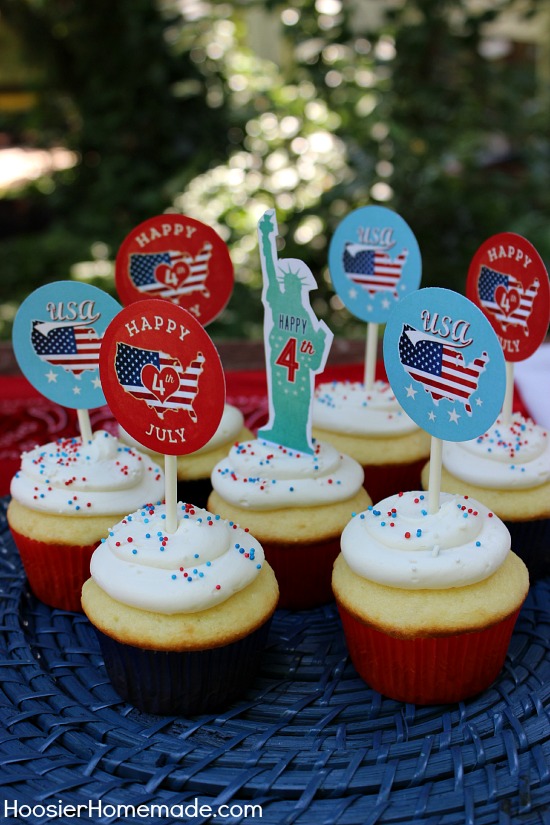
pixel 183 105
pixel 109 92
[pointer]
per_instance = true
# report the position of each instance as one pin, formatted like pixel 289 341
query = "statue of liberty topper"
pixel 296 342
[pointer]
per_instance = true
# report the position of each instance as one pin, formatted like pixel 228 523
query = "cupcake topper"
pixel 508 281
pixel 179 260
pixel 374 261
pixel 57 336
pixel 296 342
pixel 164 383
pixel 446 369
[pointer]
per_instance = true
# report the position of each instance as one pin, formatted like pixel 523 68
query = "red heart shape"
pixel 507 299
pixel 161 383
pixel 172 276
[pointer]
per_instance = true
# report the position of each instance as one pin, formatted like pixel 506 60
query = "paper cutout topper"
pixel 162 377
pixel 374 261
pixel 178 259
pixel 445 364
pixel 508 281
pixel 296 342
pixel 57 336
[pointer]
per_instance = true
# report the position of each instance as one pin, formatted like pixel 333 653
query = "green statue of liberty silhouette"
pixel 296 342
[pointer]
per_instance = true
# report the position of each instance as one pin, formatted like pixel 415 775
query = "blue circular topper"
pixel 374 262
pixel 445 364
pixel 57 337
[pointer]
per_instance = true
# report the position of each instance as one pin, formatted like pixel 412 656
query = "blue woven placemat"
pixel 310 742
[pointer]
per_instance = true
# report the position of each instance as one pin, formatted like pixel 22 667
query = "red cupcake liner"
pixel 428 670
pixel 383 480
pixel 303 572
pixel 56 572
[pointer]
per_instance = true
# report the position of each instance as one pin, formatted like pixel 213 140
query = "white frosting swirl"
pixel 347 407
pixel 204 562
pixel 100 477
pixel 398 543
pixel 230 426
pixel 514 456
pixel 263 476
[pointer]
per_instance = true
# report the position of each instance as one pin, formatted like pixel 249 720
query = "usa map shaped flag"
pixel 372 268
pixel 72 346
pixel 158 379
pixel 504 297
pixel 440 367
pixel 157 274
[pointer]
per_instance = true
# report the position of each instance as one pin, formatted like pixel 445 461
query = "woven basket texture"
pixel 309 741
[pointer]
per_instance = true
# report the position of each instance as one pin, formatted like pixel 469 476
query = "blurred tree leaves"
pixel 326 107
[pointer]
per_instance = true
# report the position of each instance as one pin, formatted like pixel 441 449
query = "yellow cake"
pixel 64 499
pixel 297 505
pixel 428 601
pixel 371 427
pixel 182 616
pixel 508 469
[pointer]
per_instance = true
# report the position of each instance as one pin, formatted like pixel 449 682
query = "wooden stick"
pixel 434 482
pixel 371 353
pixel 171 492
pixel 506 414
pixel 84 425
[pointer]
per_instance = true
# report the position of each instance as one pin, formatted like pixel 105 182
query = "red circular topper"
pixel 162 377
pixel 179 260
pixel 508 281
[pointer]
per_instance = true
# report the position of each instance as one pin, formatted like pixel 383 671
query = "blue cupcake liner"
pixel 531 542
pixel 182 682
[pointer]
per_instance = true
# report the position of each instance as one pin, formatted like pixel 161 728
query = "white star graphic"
pixel 369 307
pixel 96 383
pixel 410 390
pixel 352 294
pixel 76 390
pixel 385 303
pixel 479 402
pixel 51 376
pixel 431 415
pixel 454 416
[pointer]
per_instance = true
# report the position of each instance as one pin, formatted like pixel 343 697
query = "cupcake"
pixel 64 499
pixel 428 602
pixel 194 469
pixel 508 469
pixel 371 426
pixel 297 505
pixel 182 617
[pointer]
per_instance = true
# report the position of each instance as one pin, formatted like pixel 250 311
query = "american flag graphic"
pixel 74 347
pixel 372 268
pixel 498 301
pixel 146 270
pixel 129 364
pixel 440 367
